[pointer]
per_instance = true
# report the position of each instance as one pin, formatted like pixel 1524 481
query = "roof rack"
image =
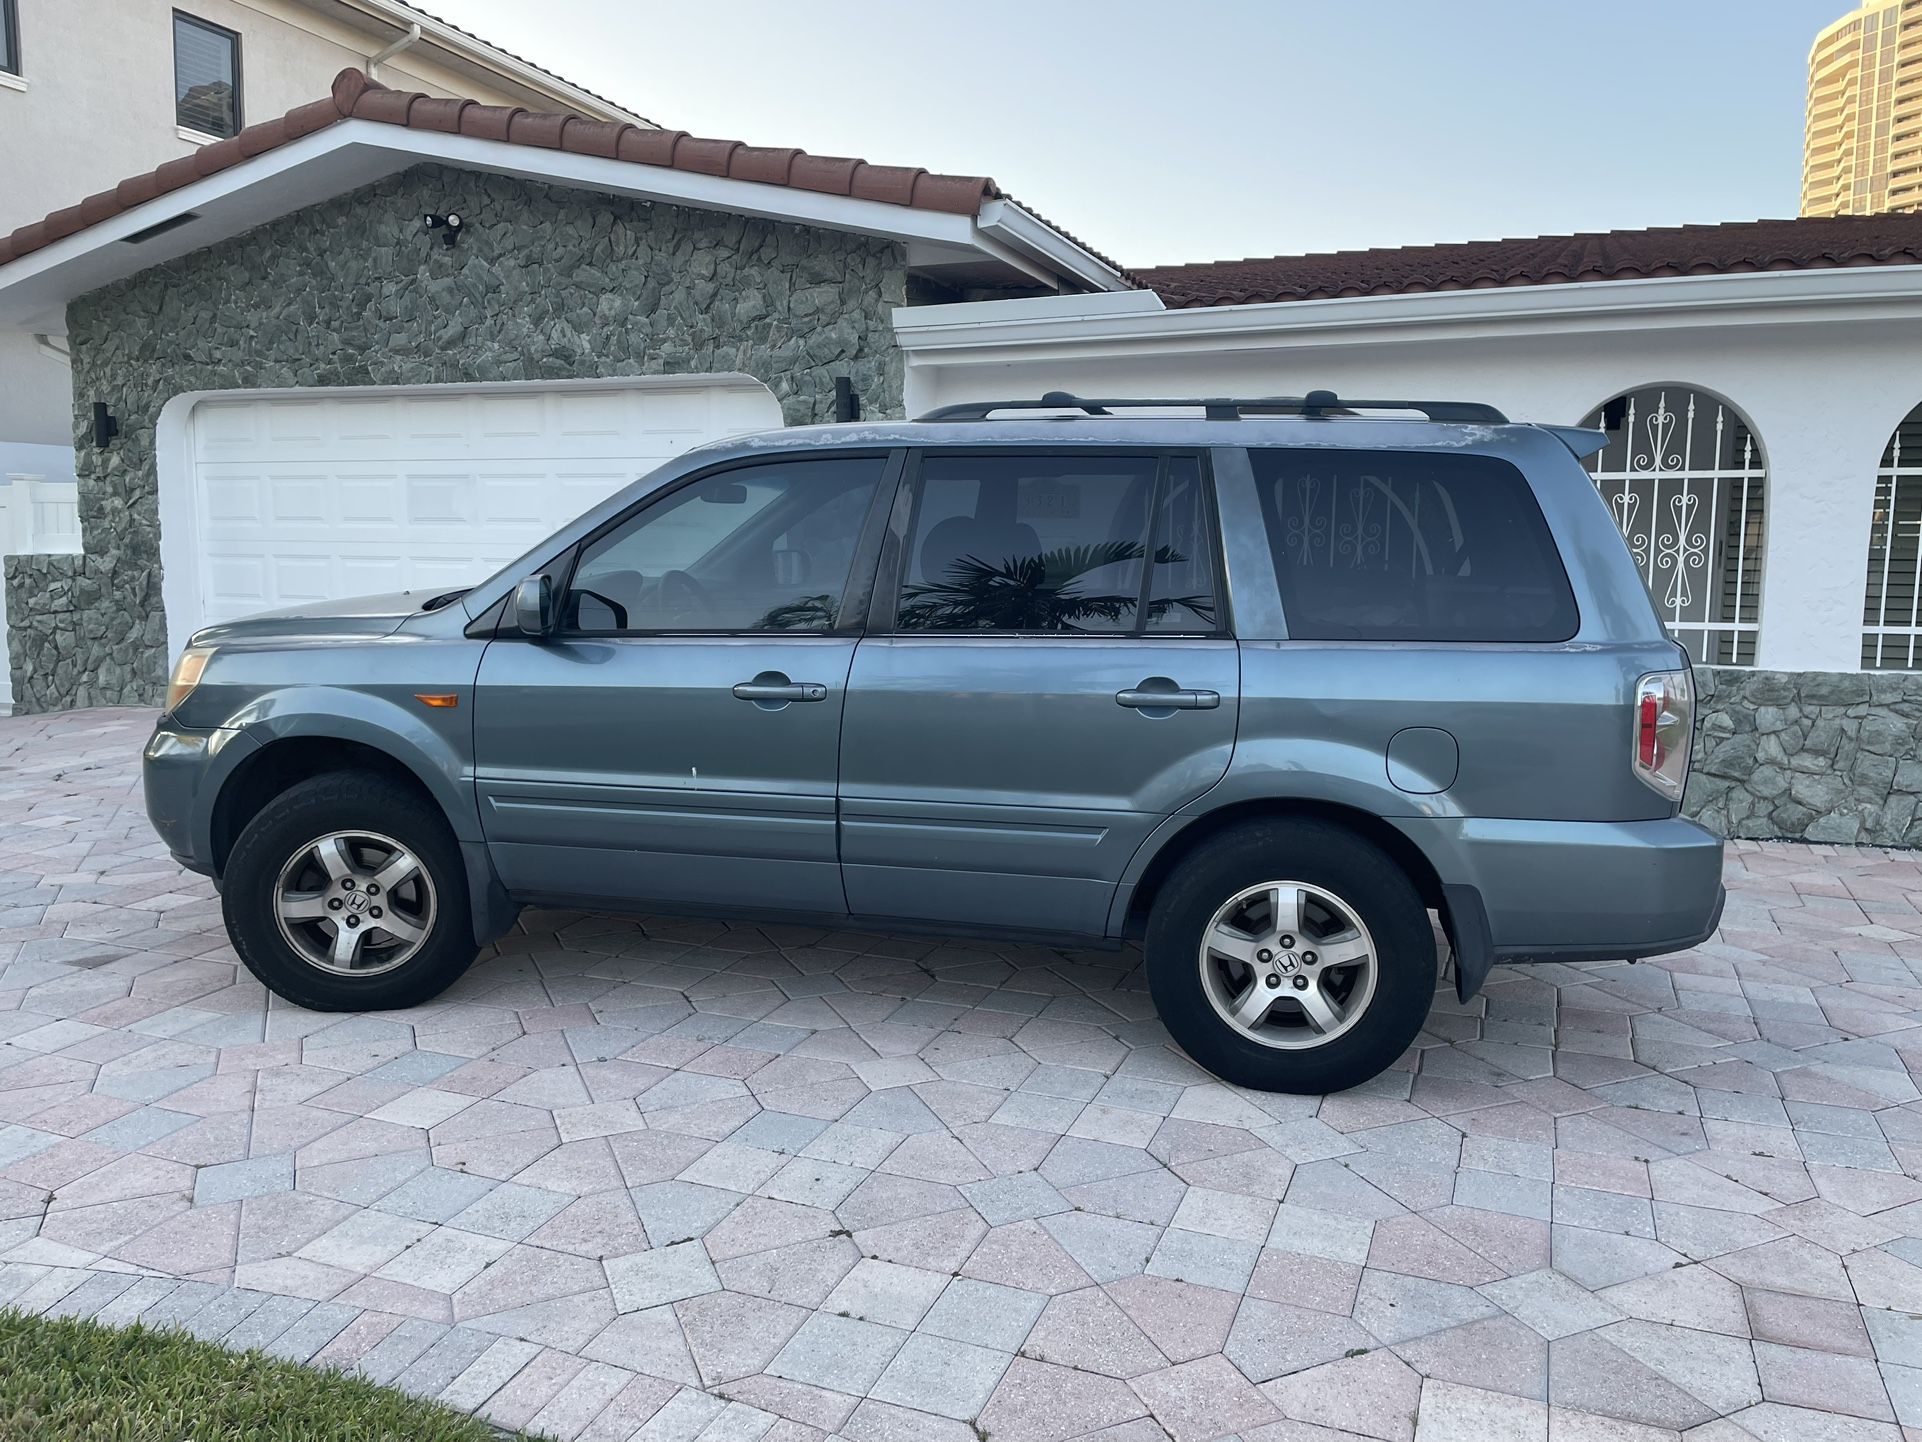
pixel 1316 405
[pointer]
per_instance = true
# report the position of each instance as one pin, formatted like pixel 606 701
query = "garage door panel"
pixel 372 422
pixel 313 497
pixel 441 500
pixel 241 581
pixel 442 419
pixel 296 427
pixel 600 415
pixel 368 500
pixel 239 499
pixel 300 501
pixel 521 501
pixel 369 575
pixel 514 418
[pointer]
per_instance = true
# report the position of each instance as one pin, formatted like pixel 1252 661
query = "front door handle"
pixel 766 688
pixel 1168 700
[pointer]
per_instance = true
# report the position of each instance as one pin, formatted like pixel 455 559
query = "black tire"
pixel 1323 855
pixel 335 802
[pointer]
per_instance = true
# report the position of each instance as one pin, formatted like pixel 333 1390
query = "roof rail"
pixel 1316 405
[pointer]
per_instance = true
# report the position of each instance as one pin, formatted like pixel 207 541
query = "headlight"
pixel 186 674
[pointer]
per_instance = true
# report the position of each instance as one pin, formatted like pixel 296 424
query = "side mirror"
pixel 534 606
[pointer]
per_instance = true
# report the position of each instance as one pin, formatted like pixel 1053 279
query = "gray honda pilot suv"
pixel 1266 684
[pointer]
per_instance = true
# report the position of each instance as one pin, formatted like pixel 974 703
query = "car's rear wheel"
pixel 1291 956
pixel 346 893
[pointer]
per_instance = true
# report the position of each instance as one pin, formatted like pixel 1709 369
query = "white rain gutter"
pixel 1004 221
pixel 406 42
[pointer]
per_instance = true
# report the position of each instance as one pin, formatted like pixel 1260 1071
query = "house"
pixel 92 91
pixel 310 382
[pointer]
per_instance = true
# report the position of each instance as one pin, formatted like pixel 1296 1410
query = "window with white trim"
pixel 9 37
pixel 206 77
pixel 1686 481
pixel 1892 602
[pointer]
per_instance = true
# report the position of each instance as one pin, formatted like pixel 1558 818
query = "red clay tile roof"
pixel 356 97
pixel 1811 244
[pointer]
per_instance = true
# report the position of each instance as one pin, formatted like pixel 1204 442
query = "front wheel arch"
pixel 280 765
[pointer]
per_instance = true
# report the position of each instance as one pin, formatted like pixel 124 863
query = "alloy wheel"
pixel 355 903
pixel 1288 964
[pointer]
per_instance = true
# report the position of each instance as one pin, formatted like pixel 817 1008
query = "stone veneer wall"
pixel 546 284
pixel 1809 755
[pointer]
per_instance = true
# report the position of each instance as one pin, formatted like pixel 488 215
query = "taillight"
pixel 1664 729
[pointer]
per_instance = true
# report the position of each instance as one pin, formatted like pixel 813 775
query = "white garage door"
pixel 301 496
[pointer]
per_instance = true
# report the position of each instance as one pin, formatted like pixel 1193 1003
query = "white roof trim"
pixel 1095 325
pixel 35 289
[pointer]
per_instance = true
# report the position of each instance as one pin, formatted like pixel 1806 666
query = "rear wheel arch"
pixel 1369 827
pixel 281 764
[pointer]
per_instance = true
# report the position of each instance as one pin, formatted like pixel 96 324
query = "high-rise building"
pixel 1863 150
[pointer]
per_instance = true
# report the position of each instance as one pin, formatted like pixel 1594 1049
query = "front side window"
pixel 206 77
pixel 752 549
pixel 1410 546
pixel 1058 544
pixel 9 38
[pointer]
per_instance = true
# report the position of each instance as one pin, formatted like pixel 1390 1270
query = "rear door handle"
pixel 758 690
pixel 1169 700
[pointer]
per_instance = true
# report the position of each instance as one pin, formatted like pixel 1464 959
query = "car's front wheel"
pixel 346 893
pixel 1291 956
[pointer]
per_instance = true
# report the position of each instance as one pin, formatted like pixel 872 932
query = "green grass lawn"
pixel 66 1381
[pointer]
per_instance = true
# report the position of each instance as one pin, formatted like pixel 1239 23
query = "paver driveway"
pixel 676 1180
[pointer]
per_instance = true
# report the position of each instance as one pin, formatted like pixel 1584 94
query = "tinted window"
pixel 1410 546
pixel 1181 592
pixel 757 548
pixel 9 37
pixel 1027 543
pixel 206 77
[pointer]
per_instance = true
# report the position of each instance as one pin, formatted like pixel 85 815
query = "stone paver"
pixel 653 1178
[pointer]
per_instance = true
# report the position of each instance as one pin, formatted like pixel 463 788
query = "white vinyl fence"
pixel 38 516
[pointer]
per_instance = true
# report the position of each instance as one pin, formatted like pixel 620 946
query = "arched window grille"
pixel 1685 477
pixel 1891 607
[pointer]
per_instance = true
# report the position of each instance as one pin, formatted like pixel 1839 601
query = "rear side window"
pixel 1410 546
pixel 1103 544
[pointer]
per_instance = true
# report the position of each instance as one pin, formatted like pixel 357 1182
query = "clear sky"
pixel 1214 129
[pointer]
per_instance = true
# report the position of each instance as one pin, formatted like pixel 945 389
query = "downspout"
pixel 406 42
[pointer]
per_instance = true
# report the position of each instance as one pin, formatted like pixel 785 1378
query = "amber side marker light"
pixel 437 698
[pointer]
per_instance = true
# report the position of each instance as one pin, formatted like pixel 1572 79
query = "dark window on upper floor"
pixel 9 38
pixel 1057 544
pixel 1410 546
pixel 206 77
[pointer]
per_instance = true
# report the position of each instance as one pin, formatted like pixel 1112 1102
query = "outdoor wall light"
pixel 847 405
pixel 449 225
pixel 105 427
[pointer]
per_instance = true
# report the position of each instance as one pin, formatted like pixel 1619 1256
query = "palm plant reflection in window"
pixel 1041 592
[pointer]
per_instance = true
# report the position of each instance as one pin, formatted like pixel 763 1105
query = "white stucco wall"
pixel 98 101
pixel 35 397
pixel 1823 364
